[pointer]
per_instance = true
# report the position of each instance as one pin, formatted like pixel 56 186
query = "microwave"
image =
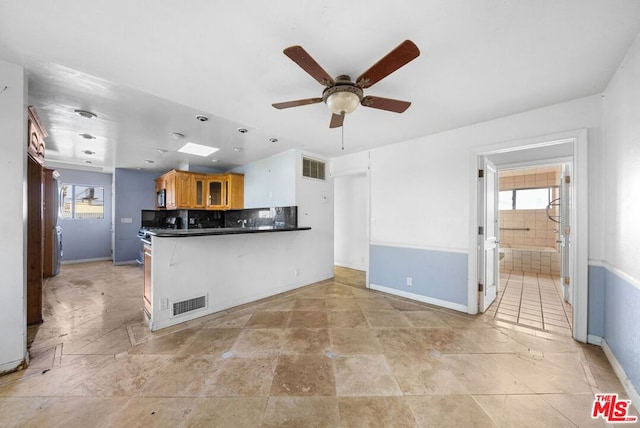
pixel 161 201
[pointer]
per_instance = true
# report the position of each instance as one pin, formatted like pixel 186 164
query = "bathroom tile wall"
pixel 542 231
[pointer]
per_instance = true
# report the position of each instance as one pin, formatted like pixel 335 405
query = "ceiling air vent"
pixel 313 168
pixel 184 306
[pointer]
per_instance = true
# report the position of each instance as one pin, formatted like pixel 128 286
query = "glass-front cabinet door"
pixel 199 183
pixel 215 193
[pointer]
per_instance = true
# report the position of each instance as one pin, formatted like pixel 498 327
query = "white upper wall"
pixel 420 189
pixel 621 205
pixel 13 166
pixel 270 182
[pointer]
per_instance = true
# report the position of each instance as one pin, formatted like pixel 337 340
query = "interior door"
pixel 488 272
pixel 565 233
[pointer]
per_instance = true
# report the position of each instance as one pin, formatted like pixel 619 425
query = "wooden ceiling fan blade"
pixel 336 120
pixel 296 103
pixel 388 104
pixel 308 64
pixel 404 53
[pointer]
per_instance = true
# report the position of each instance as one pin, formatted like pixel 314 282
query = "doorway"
pixel 534 247
pixel 351 226
pixel 568 149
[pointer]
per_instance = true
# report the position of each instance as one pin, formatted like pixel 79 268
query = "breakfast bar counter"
pixel 196 272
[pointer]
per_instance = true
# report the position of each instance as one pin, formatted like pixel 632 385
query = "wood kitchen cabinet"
pixel 198 191
pixel 233 191
pixel 177 185
pixel 170 189
pixel 183 190
pixel 215 192
pixel 188 190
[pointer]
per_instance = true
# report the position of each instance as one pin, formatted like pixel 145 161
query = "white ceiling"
pixel 146 68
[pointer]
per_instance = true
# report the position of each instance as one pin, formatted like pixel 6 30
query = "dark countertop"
pixel 175 233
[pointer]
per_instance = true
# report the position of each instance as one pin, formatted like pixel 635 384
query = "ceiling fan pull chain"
pixel 342 129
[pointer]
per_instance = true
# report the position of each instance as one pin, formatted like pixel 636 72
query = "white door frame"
pixel 367 173
pixel 580 221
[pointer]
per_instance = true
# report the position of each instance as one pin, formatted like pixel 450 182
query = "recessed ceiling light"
pixel 87 136
pixel 202 118
pixel 88 152
pixel 88 161
pixel 243 130
pixel 149 161
pixel 237 149
pixel 214 160
pixel 177 135
pixel 273 140
pixel 163 151
pixel 197 149
pixel 84 113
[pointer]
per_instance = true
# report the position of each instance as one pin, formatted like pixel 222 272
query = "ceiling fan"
pixel 341 94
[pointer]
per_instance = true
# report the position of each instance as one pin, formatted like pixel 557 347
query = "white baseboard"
pixel 351 266
pixel 622 376
pixel 420 298
pixel 594 340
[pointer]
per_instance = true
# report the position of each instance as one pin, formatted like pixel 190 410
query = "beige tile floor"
pixel 533 300
pixel 328 354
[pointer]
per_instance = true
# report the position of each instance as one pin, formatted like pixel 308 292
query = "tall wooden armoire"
pixel 35 238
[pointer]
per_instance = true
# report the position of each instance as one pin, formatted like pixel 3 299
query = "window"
pixel 81 202
pixel 313 168
pixel 526 199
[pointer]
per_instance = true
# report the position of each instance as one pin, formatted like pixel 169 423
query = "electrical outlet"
pixel 409 281
pixel 164 304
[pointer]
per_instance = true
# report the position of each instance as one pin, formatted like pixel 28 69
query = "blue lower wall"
pixel 614 314
pixel 595 317
pixel 436 274
pixel 622 324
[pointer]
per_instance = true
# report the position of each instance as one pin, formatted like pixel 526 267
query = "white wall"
pixel 351 219
pixel 620 284
pixel 622 166
pixel 13 124
pixel 427 180
pixel 315 202
pixel 277 181
pixel 270 182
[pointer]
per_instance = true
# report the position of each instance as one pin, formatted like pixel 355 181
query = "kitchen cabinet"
pixel 170 189
pixel 215 192
pixel 233 191
pixel 188 190
pixel 147 279
pixel 199 191
pixel 183 190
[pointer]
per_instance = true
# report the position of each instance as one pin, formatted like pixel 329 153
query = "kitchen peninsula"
pixel 190 273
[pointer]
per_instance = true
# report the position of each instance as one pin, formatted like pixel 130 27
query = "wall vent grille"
pixel 313 168
pixel 189 305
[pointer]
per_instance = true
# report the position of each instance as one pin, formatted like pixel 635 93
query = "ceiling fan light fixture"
pixel 342 102
pixel 342 98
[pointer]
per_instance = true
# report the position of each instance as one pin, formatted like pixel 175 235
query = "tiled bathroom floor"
pixel 328 354
pixel 532 300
